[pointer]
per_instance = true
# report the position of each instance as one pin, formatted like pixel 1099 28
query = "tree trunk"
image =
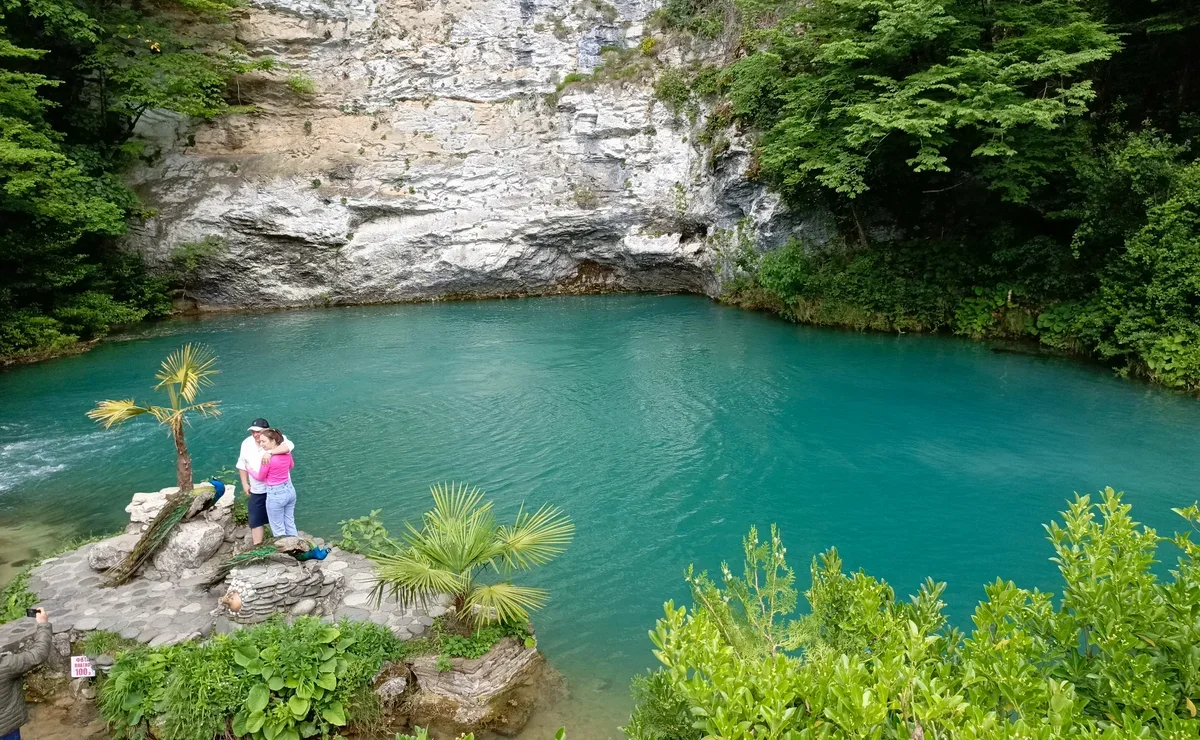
pixel 183 461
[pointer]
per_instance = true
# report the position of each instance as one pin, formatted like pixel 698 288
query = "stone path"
pixel 165 612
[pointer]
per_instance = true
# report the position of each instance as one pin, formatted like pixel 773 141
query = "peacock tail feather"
pixel 262 552
pixel 152 539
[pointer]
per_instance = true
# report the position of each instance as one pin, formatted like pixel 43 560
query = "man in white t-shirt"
pixel 251 458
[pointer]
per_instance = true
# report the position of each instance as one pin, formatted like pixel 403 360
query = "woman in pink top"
pixel 281 494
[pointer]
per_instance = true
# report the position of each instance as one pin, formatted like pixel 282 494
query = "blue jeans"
pixel 14 735
pixel 281 510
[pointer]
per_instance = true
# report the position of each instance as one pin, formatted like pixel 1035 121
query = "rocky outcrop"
pixel 189 546
pixel 436 158
pixel 107 553
pixel 498 691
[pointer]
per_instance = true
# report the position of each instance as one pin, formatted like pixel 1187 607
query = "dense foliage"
pixel 1002 168
pixel 76 76
pixel 276 680
pixel 1115 656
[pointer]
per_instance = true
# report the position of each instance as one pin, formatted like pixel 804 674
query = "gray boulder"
pixel 189 546
pixel 107 553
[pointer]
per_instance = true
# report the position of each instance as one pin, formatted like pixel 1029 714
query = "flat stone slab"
pixel 164 612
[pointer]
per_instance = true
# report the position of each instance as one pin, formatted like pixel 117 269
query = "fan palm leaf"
pixel 457 540
pixel 410 579
pixel 186 370
pixel 109 413
pixel 505 602
pixel 535 539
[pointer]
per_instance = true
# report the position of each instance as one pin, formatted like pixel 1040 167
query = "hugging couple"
pixel 265 464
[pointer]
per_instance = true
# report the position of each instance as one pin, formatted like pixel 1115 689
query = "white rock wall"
pixel 430 162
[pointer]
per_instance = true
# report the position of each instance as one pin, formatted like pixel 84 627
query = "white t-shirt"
pixel 250 459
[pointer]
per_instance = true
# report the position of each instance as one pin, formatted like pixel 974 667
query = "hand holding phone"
pixel 31 612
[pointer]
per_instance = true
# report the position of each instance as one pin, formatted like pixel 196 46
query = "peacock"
pixel 179 506
pixel 297 548
pixel 259 553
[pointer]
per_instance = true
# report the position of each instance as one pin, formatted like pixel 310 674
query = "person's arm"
pixel 285 446
pixel 262 473
pixel 243 465
pixel 18 664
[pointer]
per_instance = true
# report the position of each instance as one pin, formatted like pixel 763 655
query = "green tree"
pixel 75 79
pixel 457 542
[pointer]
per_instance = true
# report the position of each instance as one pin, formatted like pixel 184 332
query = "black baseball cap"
pixel 259 424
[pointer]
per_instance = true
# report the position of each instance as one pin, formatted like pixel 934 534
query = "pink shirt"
pixel 276 471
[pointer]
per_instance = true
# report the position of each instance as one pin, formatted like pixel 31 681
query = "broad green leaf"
pixel 257 699
pixel 254 721
pixel 299 707
pixel 334 714
pixel 239 724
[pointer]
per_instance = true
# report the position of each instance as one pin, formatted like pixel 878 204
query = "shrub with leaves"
pixel 1114 656
pixel 366 534
pixel 272 681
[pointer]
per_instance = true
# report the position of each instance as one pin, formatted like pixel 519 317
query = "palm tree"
pixel 183 374
pixel 458 541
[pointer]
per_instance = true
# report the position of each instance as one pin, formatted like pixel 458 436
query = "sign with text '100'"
pixel 81 667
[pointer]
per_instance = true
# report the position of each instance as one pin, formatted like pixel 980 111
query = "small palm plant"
pixel 183 374
pixel 457 543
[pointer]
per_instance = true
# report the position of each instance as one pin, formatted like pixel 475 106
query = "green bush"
pixel 1114 656
pixel 366 535
pixel 16 598
pixel 673 88
pixel 275 681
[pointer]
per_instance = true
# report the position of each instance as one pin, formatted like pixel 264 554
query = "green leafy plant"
pixel 301 84
pixel 457 542
pixel 189 258
pixel 289 698
pixel 16 597
pixel 275 680
pixel 1111 657
pixel 133 693
pixel 366 534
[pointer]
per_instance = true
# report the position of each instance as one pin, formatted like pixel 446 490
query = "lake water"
pixel 665 426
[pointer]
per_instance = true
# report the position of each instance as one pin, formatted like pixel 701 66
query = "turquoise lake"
pixel 665 426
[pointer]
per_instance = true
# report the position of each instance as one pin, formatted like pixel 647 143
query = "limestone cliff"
pixel 433 159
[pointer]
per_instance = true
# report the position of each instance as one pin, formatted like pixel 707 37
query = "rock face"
pixel 107 553
pixel 189 546
pixel 497 692
pixel 435 159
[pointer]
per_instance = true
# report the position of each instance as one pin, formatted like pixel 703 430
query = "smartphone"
pixel 31 612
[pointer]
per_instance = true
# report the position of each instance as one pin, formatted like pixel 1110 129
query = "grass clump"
pixel 104 642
